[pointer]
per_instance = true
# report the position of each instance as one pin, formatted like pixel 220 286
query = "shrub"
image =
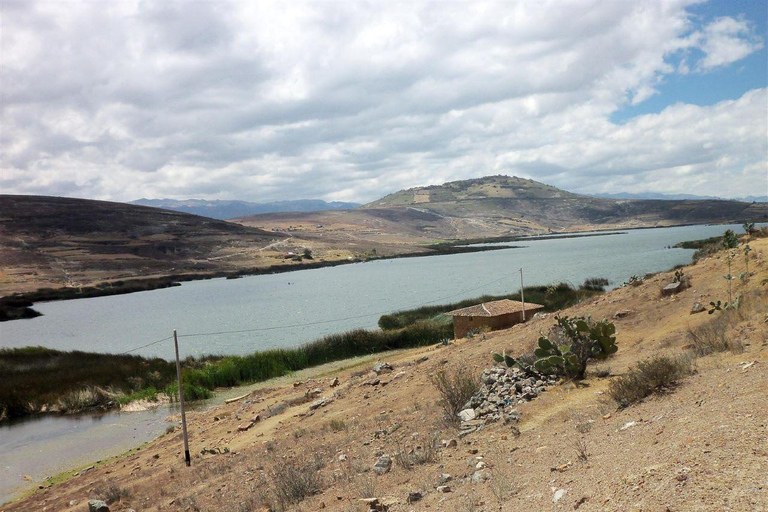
pixel 595 284
pixel 110 492
pixel 294 480
pixel 584 340
pixel 730 240
pixel 712 336
pixel 655 375
pixel 337 425
pixel 456 388
pixel 408 459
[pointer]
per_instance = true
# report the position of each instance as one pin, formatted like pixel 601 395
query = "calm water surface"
pixel 287 309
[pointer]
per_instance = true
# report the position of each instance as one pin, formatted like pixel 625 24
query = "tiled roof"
pixel 495 308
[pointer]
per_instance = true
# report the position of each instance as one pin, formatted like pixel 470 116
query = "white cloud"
pixel 273 100
pixel 726 40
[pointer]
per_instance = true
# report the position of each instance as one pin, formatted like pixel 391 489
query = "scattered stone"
pixel 623 313
pixel 322 402
pixel 342 457
pixel 443 488
pixel 373 382
pixel 414 496
pixel 382 367
pixel 383 465
pixel 374 505
pixel 97 506
pixel 398 375
pixel 672 288
pixel 697 308
pixel 627 425
pixel 422 359
pixel 334 382
pixel 558 495
pixel 444 478
pixel 72 503
pixel 451 443
pixel 479 477
pixel 502 390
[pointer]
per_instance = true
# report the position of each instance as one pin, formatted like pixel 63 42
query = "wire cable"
pixel 145 346
pixel 319 322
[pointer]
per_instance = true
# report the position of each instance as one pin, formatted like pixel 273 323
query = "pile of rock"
pixel 501 391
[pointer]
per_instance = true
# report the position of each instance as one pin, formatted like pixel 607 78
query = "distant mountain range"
pixel 498 206
pixel 231 209
pixel 670 197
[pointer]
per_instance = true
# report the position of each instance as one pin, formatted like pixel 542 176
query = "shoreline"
pixel 19 305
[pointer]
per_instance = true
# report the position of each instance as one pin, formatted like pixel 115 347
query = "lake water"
pixel 285 310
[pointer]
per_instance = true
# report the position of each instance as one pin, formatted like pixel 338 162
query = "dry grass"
pixel 456 387
pixel 293 480
pixel 655 375
pixel 410 458
pixel 110 492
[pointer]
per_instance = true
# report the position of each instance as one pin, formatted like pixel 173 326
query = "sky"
pixel 351 100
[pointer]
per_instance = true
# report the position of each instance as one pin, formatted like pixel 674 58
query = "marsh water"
pixel 284 310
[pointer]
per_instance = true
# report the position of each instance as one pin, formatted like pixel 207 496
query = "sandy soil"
pixel 702 446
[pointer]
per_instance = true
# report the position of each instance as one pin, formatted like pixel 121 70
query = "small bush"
pixel 713 337
pixel 595 284
pixel 294 480
pixel 337 425
pixel 655 375
pixel 408 459
pixel 110 492
pixel 455 388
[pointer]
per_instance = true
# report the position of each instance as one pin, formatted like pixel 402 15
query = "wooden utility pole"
pixel 181 401
pixel 522 294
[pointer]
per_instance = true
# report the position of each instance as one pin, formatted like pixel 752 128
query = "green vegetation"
pixel 655 375
pixel 37 378
pixel 578 340
pixel 553 298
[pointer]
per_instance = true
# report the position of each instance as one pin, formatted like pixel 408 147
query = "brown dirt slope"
pixel 701 446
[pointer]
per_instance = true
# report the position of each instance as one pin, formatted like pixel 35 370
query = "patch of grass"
pixel 149 394
pixel 655 375
pixel 35 377
pixel 337 425
pixel 456 387
pixel 410 458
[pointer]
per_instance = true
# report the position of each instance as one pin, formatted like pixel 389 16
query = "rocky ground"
pixel 367 437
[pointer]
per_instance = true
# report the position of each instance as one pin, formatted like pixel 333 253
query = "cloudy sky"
pixel 349 100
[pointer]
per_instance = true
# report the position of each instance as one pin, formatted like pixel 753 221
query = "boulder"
pixel 382 367
pixel 97 506
pixel 383 465
pixel 697 308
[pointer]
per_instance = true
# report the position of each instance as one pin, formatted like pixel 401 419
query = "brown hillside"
pixel 699 446
pixel 57 241
pixel 495 206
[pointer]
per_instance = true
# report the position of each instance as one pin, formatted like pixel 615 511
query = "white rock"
pixel 467 415
pixel 558 494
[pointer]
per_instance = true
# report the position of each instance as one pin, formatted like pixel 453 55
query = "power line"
pixel 308 324
pixel 239 331
pixel 145 346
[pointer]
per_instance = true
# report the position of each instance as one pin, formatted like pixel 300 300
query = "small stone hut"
pixel 498 314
